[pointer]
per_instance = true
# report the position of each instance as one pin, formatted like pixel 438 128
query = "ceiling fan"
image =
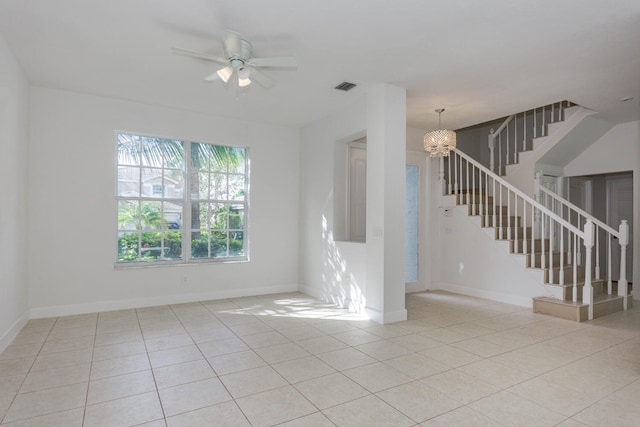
pixel 239 63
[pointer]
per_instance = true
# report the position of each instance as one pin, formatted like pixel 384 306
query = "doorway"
pixel 609 198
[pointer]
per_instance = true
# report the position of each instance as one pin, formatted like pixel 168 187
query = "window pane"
pixel 173 154
pixel 218 216
pixel 151 215
pixel 174 183
pixel 128 149
pixel 237 160
pixel 128 181
pixel 219 243
pixel 236 217
pixel 151 152
pixel 199 156
pixel 236 243
pixel 151 177
pixel 173 245
pixel 219 158
pixel 151 246
pixel 203 220
pixel 236 187
pixel 172 215
pixel 128 215
pixel 199 244
pixel 199 186
pixel 128 247
pixel 218 187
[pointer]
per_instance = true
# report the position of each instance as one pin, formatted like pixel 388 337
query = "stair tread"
pixel 597 299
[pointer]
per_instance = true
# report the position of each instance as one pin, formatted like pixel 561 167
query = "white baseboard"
pixel 414 287
pixel 386 317
pixel 99 306
pixel 311 291
pixel 317 293
pixel 483 293
pixel 14 329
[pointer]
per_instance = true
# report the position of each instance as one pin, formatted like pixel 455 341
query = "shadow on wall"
pixel 340 284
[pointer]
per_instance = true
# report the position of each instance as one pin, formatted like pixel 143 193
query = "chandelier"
pixel 439 142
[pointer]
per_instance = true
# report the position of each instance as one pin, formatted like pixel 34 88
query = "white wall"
pixel 329 269
pixel 72 215
pixel 618 150
pixel 14 112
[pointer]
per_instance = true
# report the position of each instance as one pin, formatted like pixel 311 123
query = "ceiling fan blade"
pixel 262 79
pixel 283 61
pixel 200 55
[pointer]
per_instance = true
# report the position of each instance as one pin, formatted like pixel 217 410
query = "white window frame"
pixel 186 201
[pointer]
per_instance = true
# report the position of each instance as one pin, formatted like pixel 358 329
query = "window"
pixel 180 201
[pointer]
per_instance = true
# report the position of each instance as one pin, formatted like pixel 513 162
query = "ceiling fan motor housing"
pixel 237 49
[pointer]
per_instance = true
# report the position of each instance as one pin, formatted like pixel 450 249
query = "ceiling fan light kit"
pixel 238 62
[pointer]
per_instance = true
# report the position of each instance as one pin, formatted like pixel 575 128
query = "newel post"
pixel 587 291
pixel 492 147
pixel 624 241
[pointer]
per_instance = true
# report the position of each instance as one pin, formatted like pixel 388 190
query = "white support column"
pixel 386 176
pixel 587 291
pixel 622 282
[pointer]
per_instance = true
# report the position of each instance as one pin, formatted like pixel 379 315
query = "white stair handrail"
pixel 473 183
pixel 575 208
pixel 522 195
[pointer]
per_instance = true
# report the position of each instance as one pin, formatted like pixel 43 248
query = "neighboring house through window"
pixel 180 201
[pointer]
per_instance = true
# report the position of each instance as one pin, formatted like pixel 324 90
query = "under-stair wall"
pixel 472 262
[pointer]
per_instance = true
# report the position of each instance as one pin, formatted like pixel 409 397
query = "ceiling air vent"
pixel 345 86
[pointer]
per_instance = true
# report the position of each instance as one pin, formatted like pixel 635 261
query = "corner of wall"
pixel 14 329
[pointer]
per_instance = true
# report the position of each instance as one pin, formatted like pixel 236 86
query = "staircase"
pixel 566 252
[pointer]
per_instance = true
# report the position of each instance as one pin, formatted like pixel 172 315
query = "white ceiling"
pixel 478 59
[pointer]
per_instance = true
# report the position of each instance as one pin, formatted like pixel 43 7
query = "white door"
pixel 620 206
pixel 580 193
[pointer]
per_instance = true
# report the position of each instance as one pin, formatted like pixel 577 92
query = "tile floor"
pixel 292 360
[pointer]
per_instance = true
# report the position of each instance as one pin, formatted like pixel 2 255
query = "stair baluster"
pixel 536 127
pixel 549 236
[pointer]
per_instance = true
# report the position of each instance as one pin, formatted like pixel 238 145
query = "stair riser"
pixel 567 290
pixel 487 221
pixel 536 262
pixel 465 199
pixel 537 246
pixel 503 233
pixel 488 210
pixel 568 275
